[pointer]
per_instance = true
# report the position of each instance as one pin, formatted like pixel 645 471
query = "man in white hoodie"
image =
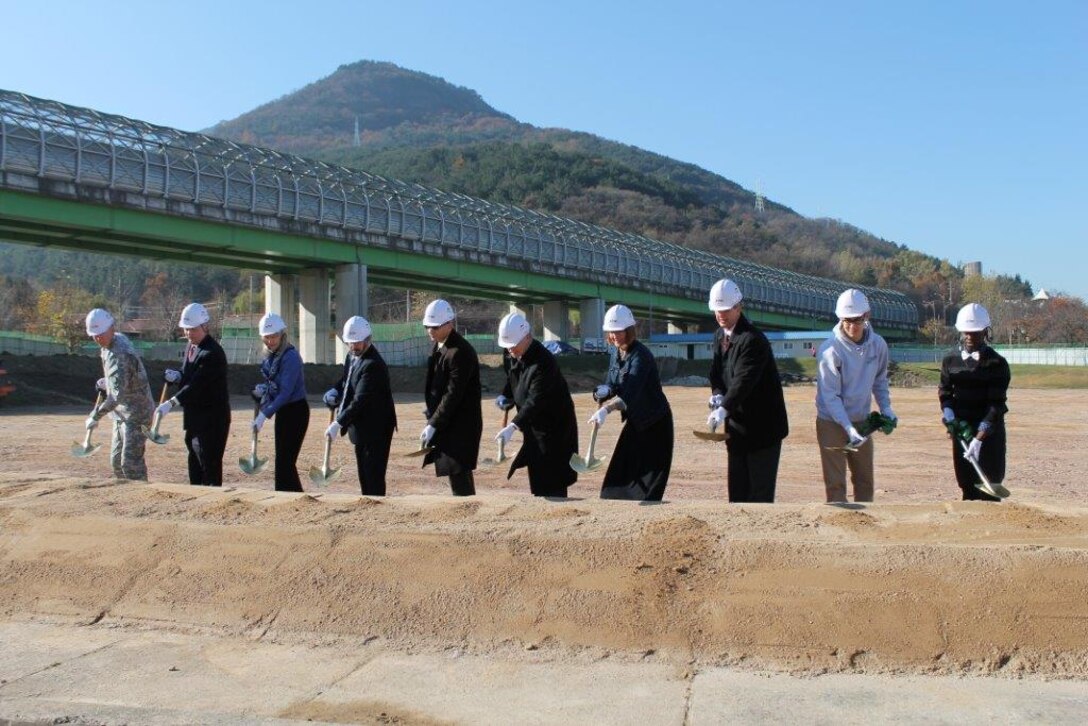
pixel 852 370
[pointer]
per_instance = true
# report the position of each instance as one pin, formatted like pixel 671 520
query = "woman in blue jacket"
pixel 640 464
pixel 283 395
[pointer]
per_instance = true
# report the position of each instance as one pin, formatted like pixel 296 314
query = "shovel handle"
pixel 592 441
pixel 162 396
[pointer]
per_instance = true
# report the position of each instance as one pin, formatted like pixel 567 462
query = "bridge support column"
pixel 280 298
pixel 591 313
pixel 556 320
pixel 352 298
pixel 314 340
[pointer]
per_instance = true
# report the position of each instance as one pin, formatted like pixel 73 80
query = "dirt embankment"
pixel 943 588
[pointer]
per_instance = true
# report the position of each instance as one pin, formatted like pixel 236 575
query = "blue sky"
pixel 954 128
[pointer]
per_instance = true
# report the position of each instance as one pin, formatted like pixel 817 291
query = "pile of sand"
pixel 931 588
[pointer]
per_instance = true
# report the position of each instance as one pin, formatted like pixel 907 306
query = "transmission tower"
pixel 759 197
pixel 357 142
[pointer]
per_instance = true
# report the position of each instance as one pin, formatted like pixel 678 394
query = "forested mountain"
pixel 418 128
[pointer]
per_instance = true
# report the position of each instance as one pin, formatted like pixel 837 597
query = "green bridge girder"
pixel 47 221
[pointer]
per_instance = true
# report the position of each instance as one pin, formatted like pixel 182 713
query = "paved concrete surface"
pixel 109 675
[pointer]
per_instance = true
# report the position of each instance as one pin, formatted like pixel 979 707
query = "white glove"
pixel 598 417
pixel 333 430
pixel 502 403
pixel 856 439
pixel 973 450
pixel 171 375
pixel 506 433
pixel 426 434
pixel 259 422
pixel 260 389
pixel 602 392
pixel 101 384
pixel 716 417
pixel 948 414
pixel 165 408
pixel 716 400
pixel 331 397
pixel 90 423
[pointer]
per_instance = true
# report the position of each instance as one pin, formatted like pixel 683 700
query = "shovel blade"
pixel 154 436
pixel 994 490
pixel 418 452
pixel 709 435
pixel 321 477
pixel 582 466
pixel 80 451
pixel 251 464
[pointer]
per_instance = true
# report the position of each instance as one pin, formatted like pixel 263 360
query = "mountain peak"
pixel 381 95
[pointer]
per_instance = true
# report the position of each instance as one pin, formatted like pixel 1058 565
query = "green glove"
pixel 958 428
pixel 888 424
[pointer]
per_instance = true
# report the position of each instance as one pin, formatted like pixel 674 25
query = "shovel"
pixel 589 463
pixel 85 449
pixel 423 450
pixel 502 443
pixel 251 465
pixel 712 434
pixel 322 476
pixel 152 433
pixel 994 490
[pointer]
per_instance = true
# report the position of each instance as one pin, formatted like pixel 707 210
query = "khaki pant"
pixel 829 433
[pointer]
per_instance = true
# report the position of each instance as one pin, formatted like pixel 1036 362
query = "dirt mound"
pixel 799 587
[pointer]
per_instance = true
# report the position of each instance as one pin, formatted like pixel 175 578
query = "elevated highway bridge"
pixel 76 178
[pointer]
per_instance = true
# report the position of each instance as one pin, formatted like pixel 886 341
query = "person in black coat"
pixel 202 393
pixel 452 395
pixel 366 410
pixel 545 411
pixel 973 394
pixel 746 396
pixel 640 464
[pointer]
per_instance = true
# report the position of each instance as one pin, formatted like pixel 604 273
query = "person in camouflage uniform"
pixel 128 397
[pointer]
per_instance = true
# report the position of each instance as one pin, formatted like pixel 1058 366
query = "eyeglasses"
pixel 855 321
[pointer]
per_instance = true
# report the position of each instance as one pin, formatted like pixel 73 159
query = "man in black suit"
pixel 366 409
pixel 545 414
pixel 454 419
pixel 202 393
pixel 746 395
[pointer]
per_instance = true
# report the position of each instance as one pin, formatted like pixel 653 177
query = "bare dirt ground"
pixel 916 583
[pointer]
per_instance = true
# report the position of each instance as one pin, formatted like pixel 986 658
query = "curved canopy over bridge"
pixel 75 177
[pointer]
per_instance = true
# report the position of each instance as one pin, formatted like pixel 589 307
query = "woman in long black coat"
pixel 640 464
pixel 545 412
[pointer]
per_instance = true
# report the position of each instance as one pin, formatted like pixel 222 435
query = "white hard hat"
pixel 356 329
pixel 271 324
pixel 193 316
pixel 851 304
pixel 512 330
pixel 724 295
pixel 972 318
pixel 98 322
pixel 439 312
pixel 618 317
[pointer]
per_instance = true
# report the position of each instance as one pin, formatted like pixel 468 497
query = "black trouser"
pixel 543 482
pixel 372 458
pixel 291 423
pixel 206 446
pixel 462 484
pixel 753 473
